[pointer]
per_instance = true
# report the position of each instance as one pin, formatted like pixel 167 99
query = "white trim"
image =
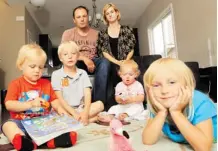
pixel 158 20
pixel 151 45
pixel 174 30
pixel 29 36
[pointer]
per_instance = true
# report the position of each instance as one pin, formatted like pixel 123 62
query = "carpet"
pixel 96 138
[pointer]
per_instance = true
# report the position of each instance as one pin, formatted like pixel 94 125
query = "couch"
pixel 205 80
pixel 207 85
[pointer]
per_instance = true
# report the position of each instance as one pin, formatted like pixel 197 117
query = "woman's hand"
pixel 152 99
pixel 182 100
pixel 119 62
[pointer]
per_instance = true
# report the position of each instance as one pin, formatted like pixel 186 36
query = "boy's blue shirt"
pixel 203 109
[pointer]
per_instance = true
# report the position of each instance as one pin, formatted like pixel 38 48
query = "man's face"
pixel 81 18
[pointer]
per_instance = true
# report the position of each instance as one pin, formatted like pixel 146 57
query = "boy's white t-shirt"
pixel 72 88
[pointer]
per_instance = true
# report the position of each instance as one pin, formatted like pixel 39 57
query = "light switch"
pixel 19 18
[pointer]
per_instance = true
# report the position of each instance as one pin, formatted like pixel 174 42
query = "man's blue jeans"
pixel 102 69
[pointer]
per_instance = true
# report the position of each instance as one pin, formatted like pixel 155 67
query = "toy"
pixel 119 138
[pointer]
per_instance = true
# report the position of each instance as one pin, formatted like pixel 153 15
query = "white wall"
pixel 195 22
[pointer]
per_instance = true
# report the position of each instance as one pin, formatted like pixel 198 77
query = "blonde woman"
pixel 116 42
pixel 184 114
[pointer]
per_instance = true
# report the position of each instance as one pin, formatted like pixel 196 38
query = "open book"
pixel 44 128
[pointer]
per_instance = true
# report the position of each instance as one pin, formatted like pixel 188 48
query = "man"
pixel 86 38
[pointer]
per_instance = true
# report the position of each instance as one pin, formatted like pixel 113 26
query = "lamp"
pixel 95 19
pixel 38 3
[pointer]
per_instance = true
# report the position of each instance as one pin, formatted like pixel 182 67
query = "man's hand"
pixel 84 118
pixel 90 64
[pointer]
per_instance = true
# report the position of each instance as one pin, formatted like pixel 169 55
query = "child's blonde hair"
pixel 130 64
pixel 29 51
pixel 106 7
pixel 68 45
pixel 180 69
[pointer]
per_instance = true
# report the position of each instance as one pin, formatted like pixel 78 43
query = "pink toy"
pixel 119 138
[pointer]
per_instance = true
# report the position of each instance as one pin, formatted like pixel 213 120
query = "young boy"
pixel 30 96
pixel 73 87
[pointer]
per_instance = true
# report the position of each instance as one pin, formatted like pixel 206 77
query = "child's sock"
pixel 64 140
pixel 22 143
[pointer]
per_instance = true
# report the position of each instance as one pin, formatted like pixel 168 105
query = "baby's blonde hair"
pixel 105 8
pixel 68 45
pixel 130 64
pixel 178 67
pixel 29 51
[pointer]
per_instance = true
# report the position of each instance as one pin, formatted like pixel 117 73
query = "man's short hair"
pixel 80 7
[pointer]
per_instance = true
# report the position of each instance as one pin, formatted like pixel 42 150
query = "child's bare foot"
pixel 105 118
pixel 122 116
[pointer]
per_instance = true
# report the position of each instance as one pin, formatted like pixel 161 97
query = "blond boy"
pixel 73 87
pixel 29 96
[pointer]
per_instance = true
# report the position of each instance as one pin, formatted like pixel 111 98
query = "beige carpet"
pixel 96 138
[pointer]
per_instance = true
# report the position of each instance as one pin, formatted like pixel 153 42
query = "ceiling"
pixel 56 16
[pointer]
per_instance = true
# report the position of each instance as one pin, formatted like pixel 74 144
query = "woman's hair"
pixel 106 7
pixel 68 45
pixel 130 64
pixel 29 51
pixel 178 67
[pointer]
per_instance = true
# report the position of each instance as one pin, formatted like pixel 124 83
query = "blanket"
pixel 95 137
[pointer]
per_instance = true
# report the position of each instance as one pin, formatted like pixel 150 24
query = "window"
pixel 162 35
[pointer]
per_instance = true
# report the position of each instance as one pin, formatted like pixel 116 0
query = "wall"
pixel 195 22
pixel 32 27
pixel 12 36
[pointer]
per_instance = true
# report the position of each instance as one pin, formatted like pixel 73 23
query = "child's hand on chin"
pixel 161 109
pixel 182 101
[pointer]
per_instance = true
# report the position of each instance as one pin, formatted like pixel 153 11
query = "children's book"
pixel 44 128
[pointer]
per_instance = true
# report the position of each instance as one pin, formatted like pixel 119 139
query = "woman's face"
pixel 111 15
pixel 165 87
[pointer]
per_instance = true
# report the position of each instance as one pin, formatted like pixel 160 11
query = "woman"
pixel 116 42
